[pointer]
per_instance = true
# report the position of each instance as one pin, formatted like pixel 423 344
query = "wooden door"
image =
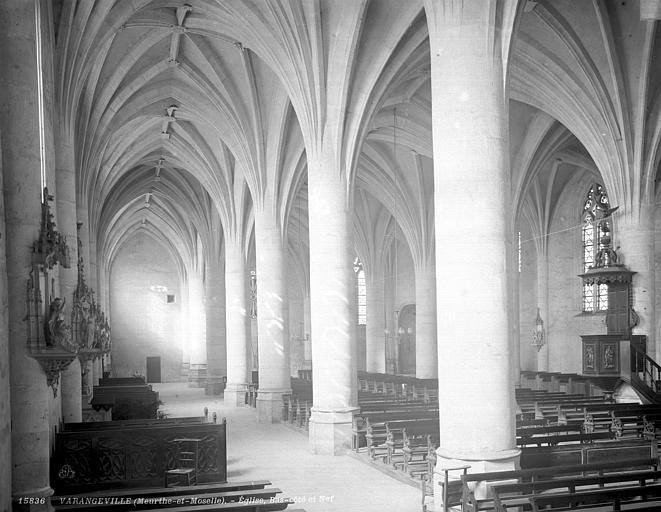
pixel 154 369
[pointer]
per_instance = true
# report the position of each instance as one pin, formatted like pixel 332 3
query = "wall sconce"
pixel 538 332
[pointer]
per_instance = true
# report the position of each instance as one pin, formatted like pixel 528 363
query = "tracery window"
pixel 594 227
pixel 361 291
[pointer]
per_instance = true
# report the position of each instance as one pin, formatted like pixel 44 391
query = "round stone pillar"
pixel 307 343
pixel 634 234
pixel 272 321
pixel 375 352
pixel 5 407
pixel 67 225
pixel 333 322
pixel 97 369
pixel 71 392
pixel 236 325
pixel 87 374
pixel 215 314
pixel 21 162
pixel 471 174
pixel 426 355
pixel 196 327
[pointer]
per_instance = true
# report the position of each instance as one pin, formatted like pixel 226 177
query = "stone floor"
pixel 280 454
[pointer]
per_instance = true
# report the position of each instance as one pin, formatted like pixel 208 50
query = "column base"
pixel 505 460
pixel 183 373
pixel 235 395
pixel 269 405
pixel 214 386
pixel 197 376
pixel 330 432
pixel 37 500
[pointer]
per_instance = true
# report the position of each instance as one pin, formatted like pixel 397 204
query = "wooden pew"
pixel 554 439
pixel 121 381
pixel 360 421
pixel 650 493
pixel 280 504
pixel 413 432
pixel 615 465
pixel 120 424
pixel 572 454
pixel 524 493
pixel 126 401
pixel 134 456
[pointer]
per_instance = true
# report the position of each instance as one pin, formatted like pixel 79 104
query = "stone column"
pixel 634 234
pixel 333 324
pixel 515 317
pixel 215 315
pixel 87 373
pixel 470 138
pixel 426 357
pixel 196 331
pixel 21 162
pixel 5 406
pixel 375 353
pixel 272 321
pixel 65 176
pixel 72 408
pixel 97 370
pixel 543 305
pixel 307 343
pixel 236 324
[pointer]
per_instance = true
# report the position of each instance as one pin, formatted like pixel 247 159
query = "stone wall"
pixel 143 322
pixel 527 299
pixel 567 322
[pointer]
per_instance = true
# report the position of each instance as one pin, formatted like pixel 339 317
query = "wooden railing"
pixel 645 374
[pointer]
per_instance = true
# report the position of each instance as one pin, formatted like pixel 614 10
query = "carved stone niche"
pixel 48 335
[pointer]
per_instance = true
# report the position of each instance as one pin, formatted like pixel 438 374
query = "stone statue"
pixel 57 331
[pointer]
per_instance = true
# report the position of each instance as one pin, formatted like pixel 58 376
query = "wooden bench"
pixel 133 456
pixel 470 503
pixel 126 402
pixel 605 496
pixel 121 381
pixel 360 421
pixel 523 494
pixel 413 431
pixel 572 454
pixel 119 424
pixel 554 439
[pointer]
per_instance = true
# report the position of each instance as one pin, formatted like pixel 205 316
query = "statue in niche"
pixel 57 331
pixel 589 357
pixel 609 357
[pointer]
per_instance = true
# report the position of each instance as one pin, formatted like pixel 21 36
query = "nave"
pixel 243 190
pixel 281 454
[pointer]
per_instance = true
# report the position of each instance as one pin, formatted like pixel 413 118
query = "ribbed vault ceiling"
pixel 187 115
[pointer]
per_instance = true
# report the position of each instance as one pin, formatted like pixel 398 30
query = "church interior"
pixel 414 238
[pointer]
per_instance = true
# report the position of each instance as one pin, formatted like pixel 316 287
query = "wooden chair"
pixel 187 460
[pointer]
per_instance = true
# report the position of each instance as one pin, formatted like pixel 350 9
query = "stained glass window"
pixel 594 227
pixel 361 291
